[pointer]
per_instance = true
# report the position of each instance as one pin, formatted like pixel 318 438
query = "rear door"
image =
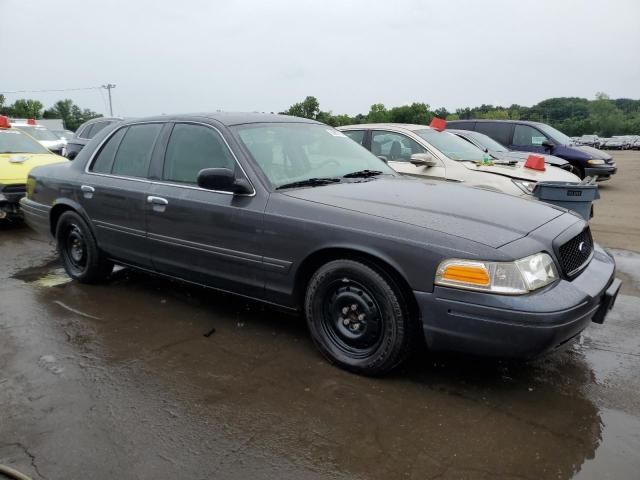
pixel 398 148
pixel 210 237
pixel 114 192
pixel 501 132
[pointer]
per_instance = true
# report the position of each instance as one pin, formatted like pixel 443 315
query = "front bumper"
pixel 524 326
pixel 603 172
pixel 10 196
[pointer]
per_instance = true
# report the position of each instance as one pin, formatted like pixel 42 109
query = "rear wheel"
pixel 357 318
pixel 78 250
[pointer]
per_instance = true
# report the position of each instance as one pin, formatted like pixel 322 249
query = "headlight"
pixel 593 161
pixel 507 278
pixel 524 185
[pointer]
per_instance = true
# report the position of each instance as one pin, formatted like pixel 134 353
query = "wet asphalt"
pixel 147 378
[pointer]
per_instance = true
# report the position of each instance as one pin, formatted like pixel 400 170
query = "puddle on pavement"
pixel 260 376
pixel 49 274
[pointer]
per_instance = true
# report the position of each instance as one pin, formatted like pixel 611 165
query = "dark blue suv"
pixel 537 137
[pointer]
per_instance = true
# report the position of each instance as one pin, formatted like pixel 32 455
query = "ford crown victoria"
pixel 291 212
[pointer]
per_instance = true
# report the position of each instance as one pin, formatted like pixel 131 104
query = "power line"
pixel 53 90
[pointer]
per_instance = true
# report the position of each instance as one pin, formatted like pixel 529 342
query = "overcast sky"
pixel 172 56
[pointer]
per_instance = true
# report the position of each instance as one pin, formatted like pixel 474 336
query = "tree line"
pixel 71 114
pixel 572 115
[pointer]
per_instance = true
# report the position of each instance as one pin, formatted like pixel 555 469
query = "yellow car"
pixel 19 153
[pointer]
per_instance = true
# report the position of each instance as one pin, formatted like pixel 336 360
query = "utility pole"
pixel 108 87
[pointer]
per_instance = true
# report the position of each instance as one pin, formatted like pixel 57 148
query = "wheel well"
pixel 55 214
pixel 314 261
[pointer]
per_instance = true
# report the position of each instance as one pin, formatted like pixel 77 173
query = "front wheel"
pixel 81 258
pixel 357 318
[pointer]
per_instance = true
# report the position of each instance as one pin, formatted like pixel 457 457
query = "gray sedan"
pixel 291 212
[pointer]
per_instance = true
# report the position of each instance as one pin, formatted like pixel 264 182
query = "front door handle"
pixel 87 191
pixel 158 204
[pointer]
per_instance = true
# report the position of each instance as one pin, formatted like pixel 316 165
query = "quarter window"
pixel 104 161
pixel 394 147
pixel 134 153
pixel 192 148
pixel 94 129
pixel 528 136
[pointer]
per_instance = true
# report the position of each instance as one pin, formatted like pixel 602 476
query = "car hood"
pixel 593 152
pixel 493 219
pixel 522 156
pixel 15 167
pixel 519 171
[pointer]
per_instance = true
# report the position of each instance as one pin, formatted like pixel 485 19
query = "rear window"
pixel 39 133
pixel 94 129
pixel 134 153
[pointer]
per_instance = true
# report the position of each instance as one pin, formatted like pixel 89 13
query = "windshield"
pixel 39 133
pixel 289 153
pixel 451 145
pixel 487 142
pixel 554 134
pixel 14 141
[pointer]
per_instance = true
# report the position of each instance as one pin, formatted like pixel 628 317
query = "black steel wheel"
pixel 357 317
pixel 78 250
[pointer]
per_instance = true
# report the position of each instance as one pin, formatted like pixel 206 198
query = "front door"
pixel 528 139
pixel 114 192
pixel 398 148
pixel 202 235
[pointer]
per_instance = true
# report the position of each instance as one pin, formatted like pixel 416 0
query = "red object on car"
pixel 4 122
pixel 535 162
pixel 438 124
pixel 31 121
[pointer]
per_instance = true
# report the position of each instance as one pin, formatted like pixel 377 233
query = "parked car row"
pixel 619 142
pixel 294 213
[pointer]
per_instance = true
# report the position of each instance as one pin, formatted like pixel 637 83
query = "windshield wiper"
pixel 363 174
pixel 310 182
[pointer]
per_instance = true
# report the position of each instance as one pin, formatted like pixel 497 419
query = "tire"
pixel 81 258
pixel 357 318
pixel 576 170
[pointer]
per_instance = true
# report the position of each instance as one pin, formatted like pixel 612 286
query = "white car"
pixel 421 151
pixel 43 135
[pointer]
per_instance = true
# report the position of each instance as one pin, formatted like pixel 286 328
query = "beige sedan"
pixel 421 151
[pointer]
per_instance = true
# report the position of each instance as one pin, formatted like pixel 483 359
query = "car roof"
pixel 406 126
pixel 230 118
pixel 484 120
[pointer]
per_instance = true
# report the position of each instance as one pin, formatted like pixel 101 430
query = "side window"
pixel 104 160
pixel 355 135
pixel 499 131
pixel 461 125
pixel 394 146
pixel 134 153
pixel 192 148
pixel 527 136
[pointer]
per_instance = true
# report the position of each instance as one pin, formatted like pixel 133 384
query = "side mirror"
pixel 547 144
pixel 423 160
pixel 383 158
pixel 222 179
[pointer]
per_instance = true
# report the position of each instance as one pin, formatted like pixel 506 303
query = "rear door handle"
pixel 158 204
pixel 157 200
pixel 87 191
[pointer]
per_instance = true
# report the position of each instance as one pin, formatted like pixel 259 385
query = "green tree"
pixel 27 108
pixel 378 114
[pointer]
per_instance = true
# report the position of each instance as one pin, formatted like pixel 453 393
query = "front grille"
pixel 576 253
pixel 14 189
